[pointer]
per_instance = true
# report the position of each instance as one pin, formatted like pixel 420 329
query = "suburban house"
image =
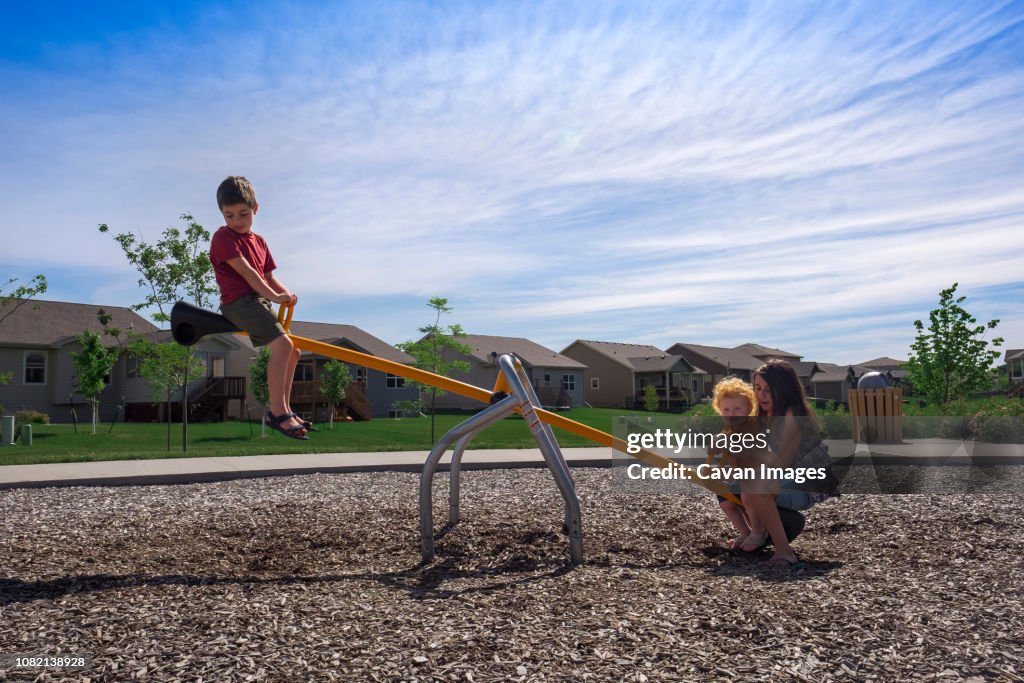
pixel 805 370
pixel 718 362
pixel 37 339
pixel 619 372
pixel 1014 359
pixel 557 378
pixel 36 342
pixel 766 352
pixel 218 393
pixel 883 363
pixel 372 393
pixel 833 382
pixel 892 368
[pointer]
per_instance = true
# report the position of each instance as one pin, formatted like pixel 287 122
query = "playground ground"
pixel 317 577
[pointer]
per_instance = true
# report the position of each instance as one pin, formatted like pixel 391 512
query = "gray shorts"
pixel 789 495
pixel 255 315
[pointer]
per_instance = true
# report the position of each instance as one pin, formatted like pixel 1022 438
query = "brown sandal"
pixel 298 432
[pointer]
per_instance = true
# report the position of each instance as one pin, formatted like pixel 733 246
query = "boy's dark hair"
pixel 236 189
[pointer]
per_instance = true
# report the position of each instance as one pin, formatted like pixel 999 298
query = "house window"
pixel 360 373
pixel 132 363
pixel 595 382
pixel 569 382
pixel 1017 369
pixel 395 382
pixel 304 372
pixel 35 367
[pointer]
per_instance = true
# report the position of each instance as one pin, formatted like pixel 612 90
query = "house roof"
pixel 805 368
pixel 530 352
pixel 660 363
pixel 760 351
pixel 830 372
pixel 882 362
pixel 618 351
pixel 56 323
pixel 728 357
pixel 635 357
pixel 361 340
pixel 1013 354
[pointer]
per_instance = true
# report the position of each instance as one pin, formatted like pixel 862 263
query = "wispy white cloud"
pixel 650 174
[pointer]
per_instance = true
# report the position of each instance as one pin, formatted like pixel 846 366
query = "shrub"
pixel 24 417
pixel 915 428
pixel 836 425
pixel 31 417
pixel 955 427
pixel 705 424
pixel 999 428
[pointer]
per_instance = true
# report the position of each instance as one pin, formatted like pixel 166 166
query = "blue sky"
pixel 801 175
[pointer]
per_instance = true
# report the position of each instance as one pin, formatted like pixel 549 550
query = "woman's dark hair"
pixel 786 390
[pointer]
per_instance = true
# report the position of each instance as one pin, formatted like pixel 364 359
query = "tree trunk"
pixel 95 414
pixel 169 411
pixel 433 413
pixel 184 409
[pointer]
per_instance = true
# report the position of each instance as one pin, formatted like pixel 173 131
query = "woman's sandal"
pixel 754 542
pixel 737 543
pixel 291 432
pixel 786 563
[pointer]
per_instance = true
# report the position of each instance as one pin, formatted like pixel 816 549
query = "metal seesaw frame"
pixel 522 398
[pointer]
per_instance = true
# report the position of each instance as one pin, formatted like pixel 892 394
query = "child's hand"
pixel 286 297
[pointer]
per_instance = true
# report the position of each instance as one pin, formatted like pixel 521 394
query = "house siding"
pixel 479 375
pixel 615 381
pixel 57 396
pixel 380 395
pixel 536 376
pixel 830 391
pixel 485 375
pixel 16 395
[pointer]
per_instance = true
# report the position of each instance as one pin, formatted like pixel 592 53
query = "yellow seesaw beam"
pixel 484 396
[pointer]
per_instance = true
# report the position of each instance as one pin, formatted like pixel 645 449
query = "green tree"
pixel 166 368
pixel 175 268
pixel 258 382
pixel 334 383
pixel 15 299
pixel 433 350
pixel 951 359
pixel 92 368
pixel 651 399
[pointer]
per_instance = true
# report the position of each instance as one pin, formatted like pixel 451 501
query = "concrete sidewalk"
pixel 192 470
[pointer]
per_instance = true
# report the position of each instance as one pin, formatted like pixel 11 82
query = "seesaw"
pixel 513 393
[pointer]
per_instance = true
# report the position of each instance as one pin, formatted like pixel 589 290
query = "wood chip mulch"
pixel 318 578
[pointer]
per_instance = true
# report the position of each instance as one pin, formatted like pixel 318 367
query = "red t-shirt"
pixel 228 244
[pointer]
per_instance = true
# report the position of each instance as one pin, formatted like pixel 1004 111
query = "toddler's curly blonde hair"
pixel 732 387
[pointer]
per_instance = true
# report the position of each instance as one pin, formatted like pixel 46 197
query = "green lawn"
pixel 60 443
pixel 128 441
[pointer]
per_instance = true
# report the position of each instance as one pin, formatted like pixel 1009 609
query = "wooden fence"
pixel 877 415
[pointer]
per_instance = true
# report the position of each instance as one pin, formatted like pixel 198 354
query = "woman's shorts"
pixel 255 315
pixel 789 496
